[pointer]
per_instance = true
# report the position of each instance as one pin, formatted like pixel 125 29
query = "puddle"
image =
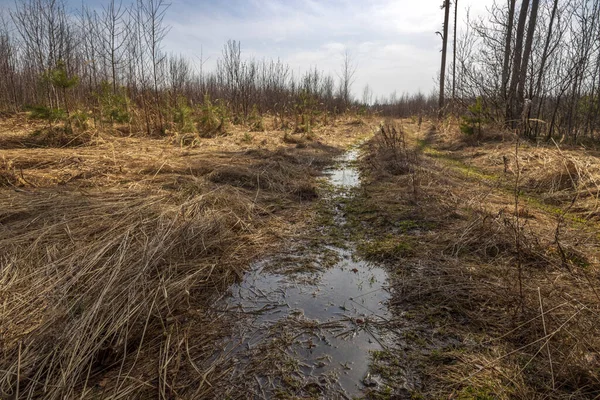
pixel 332 316
pixel 345 175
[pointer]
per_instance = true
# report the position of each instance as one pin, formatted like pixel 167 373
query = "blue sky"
pixel 393 42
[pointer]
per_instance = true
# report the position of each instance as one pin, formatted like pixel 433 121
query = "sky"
pixel 392 42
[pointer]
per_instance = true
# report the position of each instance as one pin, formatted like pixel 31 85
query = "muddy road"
pixel 310 317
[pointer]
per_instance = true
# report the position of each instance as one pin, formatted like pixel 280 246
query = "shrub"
pixel 389 151
pixel 46 113
pixel 256 120
pixel 306 108
pixel 183 116
pixel 113 107
pixel 59 77
pixel 247 138
pixel 80 120
pixel 475 118
pixel 213 118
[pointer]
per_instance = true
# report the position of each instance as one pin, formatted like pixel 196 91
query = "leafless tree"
pixel 367 98
pixel 446 8
pixel 507 47
pixel 516 69
pixel 346 76
pixel 114 37
pixel 526 54
pixel 454 50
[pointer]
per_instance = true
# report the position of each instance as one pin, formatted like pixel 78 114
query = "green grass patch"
pixel 507 187
pixel 389 248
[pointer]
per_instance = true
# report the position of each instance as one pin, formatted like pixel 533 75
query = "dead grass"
pixel 389 153
pixel 115 251
pixel 486 329
pixel 48 137
pixel 552 174
pixel 8 175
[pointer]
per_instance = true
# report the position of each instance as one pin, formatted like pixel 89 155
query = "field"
pixel 118 252
pixel 496 284
pixel 114 249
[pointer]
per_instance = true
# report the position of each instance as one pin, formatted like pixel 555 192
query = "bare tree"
pixel 446 8
pixel 367 98
pixel 152 16
pixel 8 69
pixel 516 70
pixel 507 44
pixel 454 50
pixel 347 78
pixel 114 37
pixel 526 54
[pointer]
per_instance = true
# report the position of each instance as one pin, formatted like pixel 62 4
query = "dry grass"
pixel 388 153
pixel 552 172
pixel 115 251
pixel 503 301
pixel 47 137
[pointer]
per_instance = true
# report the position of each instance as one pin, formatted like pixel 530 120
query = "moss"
pixel 474 393
pixel 415 338
pixel 389 248
pixel 388 366
pixel 385 393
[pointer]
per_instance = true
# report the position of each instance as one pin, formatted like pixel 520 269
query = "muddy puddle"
pixel 324 321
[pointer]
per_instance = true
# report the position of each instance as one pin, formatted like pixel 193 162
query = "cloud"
pixel 393 42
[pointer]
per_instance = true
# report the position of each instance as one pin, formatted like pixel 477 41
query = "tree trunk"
pixel 454 51
pixel 526 54
pixel 512 91
pixel 444 47
pixel 507 43
pixel 546 47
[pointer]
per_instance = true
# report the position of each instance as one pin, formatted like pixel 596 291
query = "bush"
pixel 80 120
pixel 306 109
pixel 183 116
pixel 472 122
pixel 256 120
pixel 46 113
pixel 389 152
pixel 113 107
pixel 213 118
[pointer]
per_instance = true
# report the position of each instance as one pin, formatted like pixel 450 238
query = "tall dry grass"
pixel 90 280
pixel 488 329
pixel 108 292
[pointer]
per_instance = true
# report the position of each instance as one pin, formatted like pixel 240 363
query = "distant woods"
pixel 527 65
pixel 114 68
pixel 532 66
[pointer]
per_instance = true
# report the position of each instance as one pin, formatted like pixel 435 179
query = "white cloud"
pixel 392 41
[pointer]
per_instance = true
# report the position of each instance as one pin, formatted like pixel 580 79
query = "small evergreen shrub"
pixel 213 118
pixel 472 123
pixel 113 107
pixel 183 116
pixel 255 120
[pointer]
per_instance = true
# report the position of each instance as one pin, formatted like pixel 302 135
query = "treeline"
pixel 532 66
pixel 110 65
pixel 406 105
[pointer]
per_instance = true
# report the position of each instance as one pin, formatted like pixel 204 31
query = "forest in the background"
pixel 529 65
pixel 109 65
pixel 537 62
